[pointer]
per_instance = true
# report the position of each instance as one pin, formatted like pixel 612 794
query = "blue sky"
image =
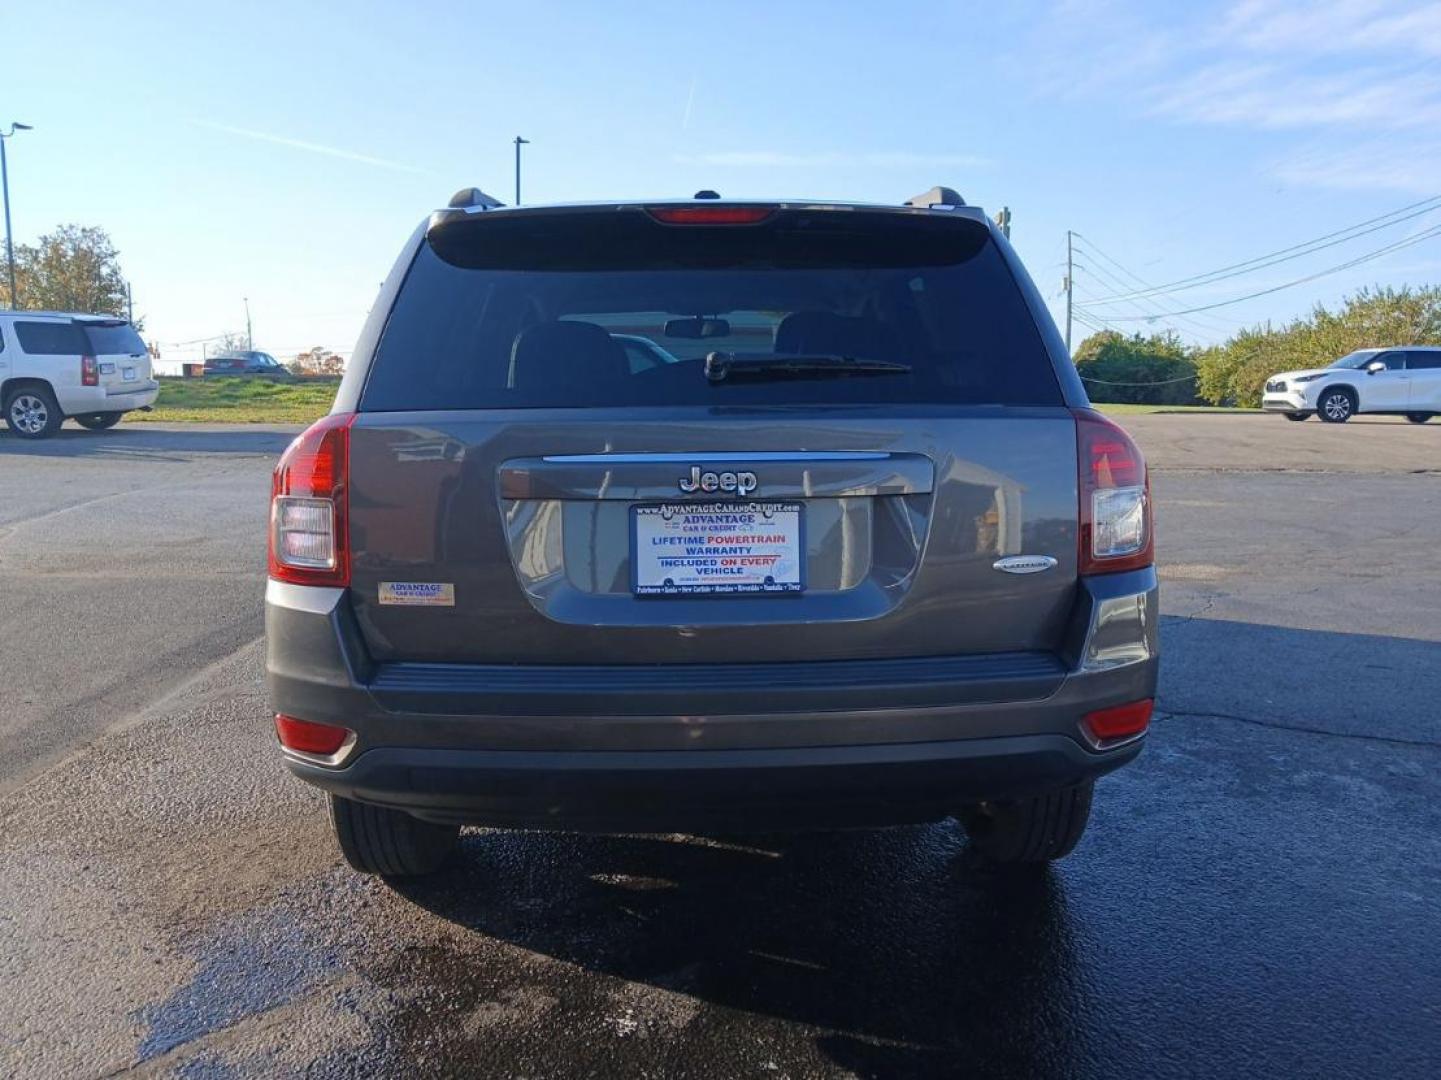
pixel 282 152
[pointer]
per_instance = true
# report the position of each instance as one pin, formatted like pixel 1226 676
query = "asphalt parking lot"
pixel 1260 894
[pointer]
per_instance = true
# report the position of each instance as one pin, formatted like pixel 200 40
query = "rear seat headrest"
pixel 566 350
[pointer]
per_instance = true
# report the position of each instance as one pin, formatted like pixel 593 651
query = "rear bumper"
pixel 667 747
pixel 79 400
pixel 678 790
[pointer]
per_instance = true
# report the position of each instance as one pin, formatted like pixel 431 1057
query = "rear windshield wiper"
pixel 720 366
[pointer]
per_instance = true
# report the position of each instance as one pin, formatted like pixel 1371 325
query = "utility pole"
pixel 1003 221
pixel 5 196
pixel 249 341
pixel 129 304
pixel 1070 282
pixel 519 142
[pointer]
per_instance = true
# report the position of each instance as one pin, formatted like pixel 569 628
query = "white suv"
pixel 91 368
pixel 1405 381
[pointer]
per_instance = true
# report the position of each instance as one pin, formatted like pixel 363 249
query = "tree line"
pixel 1160 370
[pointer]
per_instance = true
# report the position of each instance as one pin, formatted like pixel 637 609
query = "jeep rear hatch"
pixel 542 471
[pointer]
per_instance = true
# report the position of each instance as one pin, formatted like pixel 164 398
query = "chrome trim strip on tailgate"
pixel 634 477
pixel 686 459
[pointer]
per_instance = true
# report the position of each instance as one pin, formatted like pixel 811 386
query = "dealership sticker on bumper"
pixel 418 593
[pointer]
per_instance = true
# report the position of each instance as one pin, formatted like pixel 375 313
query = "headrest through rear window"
pixel 804 333
pixel 565 353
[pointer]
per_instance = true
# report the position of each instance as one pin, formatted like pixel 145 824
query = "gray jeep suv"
pixel 860 555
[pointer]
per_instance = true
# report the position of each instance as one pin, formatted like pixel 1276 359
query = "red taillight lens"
pixel 711 215
pixel 309 506
pixel 1115 494
pixel 1120 722
pixel 89 371
pixel 308 737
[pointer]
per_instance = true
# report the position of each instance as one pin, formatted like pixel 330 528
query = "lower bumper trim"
pixel 1286 405
pixel 677 790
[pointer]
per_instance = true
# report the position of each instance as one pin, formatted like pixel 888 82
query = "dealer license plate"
pixel 685 549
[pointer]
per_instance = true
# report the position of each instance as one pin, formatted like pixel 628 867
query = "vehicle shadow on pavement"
pixel 140 442
pixel 905 956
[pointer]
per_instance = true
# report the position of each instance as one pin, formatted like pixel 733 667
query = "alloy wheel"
pixel 29 414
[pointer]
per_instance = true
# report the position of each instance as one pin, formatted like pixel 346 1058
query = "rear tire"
pixel 98 421
pixel 1297 415
pixel 31 412
pixel 391 843
pixel 1419 417
pixel 1034 830
pixel 1336 406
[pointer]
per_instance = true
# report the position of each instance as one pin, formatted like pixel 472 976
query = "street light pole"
pixel 5 189
pixel 519 142
pixel 249 341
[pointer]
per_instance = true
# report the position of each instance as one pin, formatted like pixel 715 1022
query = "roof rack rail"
pixel 937 196
pixel 469 197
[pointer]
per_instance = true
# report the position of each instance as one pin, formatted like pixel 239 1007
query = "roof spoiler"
pixel 937 196
pixel 473 197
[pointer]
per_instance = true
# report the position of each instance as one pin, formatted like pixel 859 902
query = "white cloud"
pixel 309 147
pixel 1083 48
pixel 1336 71
pixel 1374 165
pixel 775 159
pixel 1339 26
pixel 1270 96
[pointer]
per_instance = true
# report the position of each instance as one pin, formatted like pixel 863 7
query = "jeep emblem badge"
pixel 727 483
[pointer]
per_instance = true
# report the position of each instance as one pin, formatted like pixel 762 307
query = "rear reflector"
pixel 1119 722
pixel 711 215
pixel 308 737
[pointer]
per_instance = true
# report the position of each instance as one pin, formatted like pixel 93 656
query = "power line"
pixel 1158 382
pixel 1434 231
pixel 1169 323
pixel 1092 322
pixel 195 341
pixel 1295 251
pixel 1095 249
pixel 1157 311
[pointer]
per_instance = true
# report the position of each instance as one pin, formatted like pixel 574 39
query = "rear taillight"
pixel 1115 494
pixel 711 215
pixel 89 371
pixel 309 534
pixel 308 737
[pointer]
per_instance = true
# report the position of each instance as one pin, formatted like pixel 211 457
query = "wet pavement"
pixel 1259 894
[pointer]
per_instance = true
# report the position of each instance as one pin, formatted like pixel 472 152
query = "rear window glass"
pixel 51 338
pixel 114 338
pixel 619 310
